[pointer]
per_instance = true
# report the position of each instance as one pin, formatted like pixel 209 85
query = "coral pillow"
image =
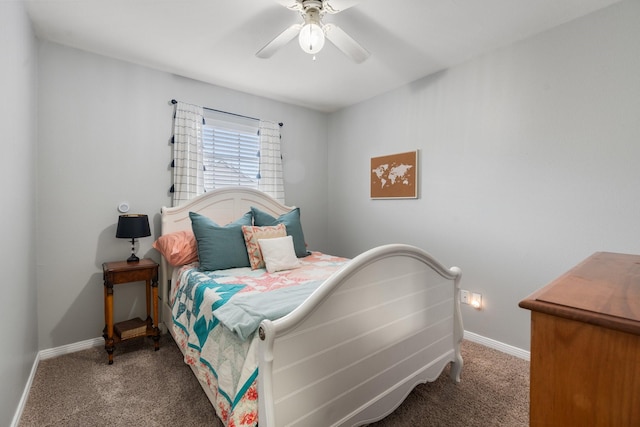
pixel 178 248
pixel 251 236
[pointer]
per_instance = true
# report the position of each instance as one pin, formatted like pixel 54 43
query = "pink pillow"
pixel 251 236
pixel 178 248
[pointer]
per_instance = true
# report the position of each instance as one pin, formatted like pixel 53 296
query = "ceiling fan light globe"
pixel 311 38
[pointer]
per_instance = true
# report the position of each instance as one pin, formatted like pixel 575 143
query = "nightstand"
pixel 116 273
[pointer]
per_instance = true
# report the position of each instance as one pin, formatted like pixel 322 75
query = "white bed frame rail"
pixel 354 350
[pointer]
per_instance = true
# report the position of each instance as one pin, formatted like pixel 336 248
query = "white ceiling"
pixel 215 40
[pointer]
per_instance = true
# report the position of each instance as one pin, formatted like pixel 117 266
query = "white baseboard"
pixel 70 348
pixel 48 354
pixel 497 345
pixel 25 393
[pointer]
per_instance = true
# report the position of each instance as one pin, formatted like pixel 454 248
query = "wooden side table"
pixel 115 273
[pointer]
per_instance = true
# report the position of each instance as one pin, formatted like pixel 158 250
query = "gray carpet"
pixel 147 388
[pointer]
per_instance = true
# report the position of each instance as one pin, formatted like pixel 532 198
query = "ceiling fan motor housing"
pixel 312 12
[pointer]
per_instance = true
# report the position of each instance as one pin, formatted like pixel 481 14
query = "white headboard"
pixel 223 206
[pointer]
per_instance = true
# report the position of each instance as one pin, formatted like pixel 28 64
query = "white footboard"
pixel 353 351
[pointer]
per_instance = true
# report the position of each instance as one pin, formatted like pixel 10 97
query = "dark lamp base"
pixel 133 257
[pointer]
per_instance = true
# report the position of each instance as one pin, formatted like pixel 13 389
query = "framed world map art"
pixel 395 176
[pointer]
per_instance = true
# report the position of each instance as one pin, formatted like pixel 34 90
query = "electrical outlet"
pixel 464 296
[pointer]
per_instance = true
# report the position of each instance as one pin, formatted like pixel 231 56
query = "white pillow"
pixel 278 253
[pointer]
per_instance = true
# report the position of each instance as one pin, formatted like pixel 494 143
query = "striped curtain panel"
pixel 271 180
pixel 188 165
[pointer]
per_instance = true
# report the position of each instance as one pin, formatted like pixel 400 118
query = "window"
pixel 231 148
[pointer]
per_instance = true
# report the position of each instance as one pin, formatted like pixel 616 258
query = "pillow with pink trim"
pixel 251 236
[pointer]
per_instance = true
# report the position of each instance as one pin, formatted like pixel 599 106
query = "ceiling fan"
pixel 312 32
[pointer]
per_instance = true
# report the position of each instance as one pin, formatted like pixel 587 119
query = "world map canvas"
pixel 395 176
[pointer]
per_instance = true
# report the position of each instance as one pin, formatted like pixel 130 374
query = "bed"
pixel 350 351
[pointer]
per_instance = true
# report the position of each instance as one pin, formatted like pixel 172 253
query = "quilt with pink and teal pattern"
pixel 215 318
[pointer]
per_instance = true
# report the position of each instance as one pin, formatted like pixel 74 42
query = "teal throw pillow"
pixel 220 247
pixel 291 221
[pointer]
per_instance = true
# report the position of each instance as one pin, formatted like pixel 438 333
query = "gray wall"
pixel 529 163
pixel 104 128
pixel 18 113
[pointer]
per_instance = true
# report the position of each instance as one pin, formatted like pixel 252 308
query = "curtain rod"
pixel 173 101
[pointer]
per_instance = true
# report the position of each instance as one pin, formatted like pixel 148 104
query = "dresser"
pixel 585 345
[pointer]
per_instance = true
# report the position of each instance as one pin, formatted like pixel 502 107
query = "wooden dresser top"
pixel 604 290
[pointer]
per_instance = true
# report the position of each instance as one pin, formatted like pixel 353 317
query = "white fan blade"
pixel 335 6
pixel 345 43
pixel 281 39
pixel 290 4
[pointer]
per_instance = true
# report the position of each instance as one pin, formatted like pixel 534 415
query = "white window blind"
pixel 231 147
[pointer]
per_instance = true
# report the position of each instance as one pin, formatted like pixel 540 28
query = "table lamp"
pixel 132 226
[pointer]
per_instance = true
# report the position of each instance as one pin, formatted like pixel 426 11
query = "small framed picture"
pixel 395 176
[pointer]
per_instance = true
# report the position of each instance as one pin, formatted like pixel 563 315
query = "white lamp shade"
pixel 311 38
